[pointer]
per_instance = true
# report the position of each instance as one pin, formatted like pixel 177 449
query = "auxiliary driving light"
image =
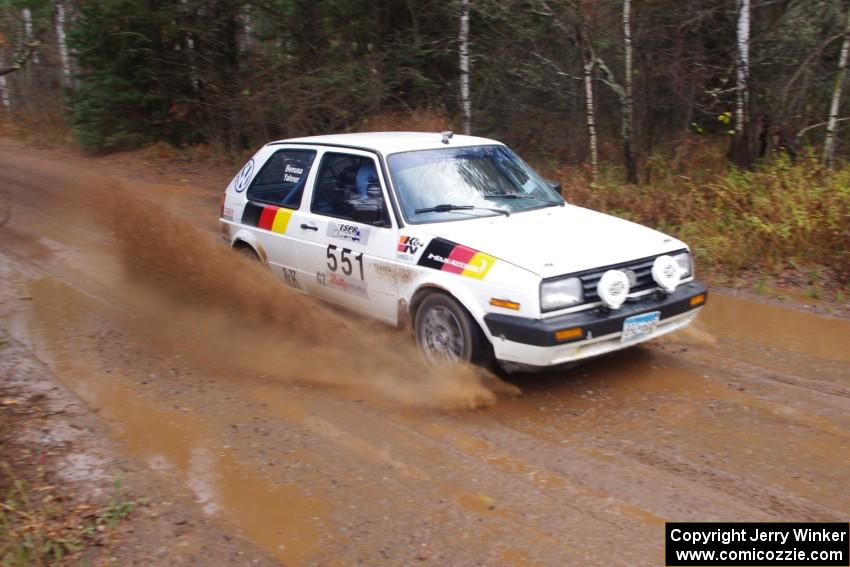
pixel 613 288
pixel 666 273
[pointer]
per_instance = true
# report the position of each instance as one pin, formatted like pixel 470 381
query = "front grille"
pixel 641 268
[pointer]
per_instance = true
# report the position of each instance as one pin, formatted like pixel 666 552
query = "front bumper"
pixel 532 342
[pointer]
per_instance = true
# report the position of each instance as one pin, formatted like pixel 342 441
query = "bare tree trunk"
pixel 588 62
pixel 28 31
pixel 246 35
pixel 740 152
pixel 832 123
pixel 463 48
pixel 4 89
pixel 63 44
pixel 627 118
pixel 742 86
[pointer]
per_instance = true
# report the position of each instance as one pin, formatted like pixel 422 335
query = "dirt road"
pixel 331 459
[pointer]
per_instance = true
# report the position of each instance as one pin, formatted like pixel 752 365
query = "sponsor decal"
pixel 397 273
pixel 292 174
pixel 291 278
pixel 349 232
pixel 447 256
pixel 267 217
pixel 240 183
pixel 407 248
pixel 342 283
pixel 227 213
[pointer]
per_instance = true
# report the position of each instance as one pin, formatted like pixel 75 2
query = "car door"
pixel 273 199
pixel 347 238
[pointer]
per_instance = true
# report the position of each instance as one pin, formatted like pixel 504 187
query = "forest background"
pixel 721 121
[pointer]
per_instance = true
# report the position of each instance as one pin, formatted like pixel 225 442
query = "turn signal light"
pixel 698 300
pixel 506 303
pixel 566 334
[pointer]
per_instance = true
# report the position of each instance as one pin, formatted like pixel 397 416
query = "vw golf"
pixel 459 237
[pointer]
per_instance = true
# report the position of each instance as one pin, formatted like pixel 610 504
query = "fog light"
pixel 567 334
pixel 666 273
pixel 698 300
pixel 613 288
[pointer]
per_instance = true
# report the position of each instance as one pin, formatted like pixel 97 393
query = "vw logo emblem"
pixel 244 176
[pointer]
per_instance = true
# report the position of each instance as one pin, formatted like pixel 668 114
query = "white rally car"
pixel 459 236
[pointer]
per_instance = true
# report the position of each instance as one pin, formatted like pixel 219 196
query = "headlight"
pixel 684 261
pixel 557 294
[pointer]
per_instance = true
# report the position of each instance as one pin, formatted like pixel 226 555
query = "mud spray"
pixel 188 290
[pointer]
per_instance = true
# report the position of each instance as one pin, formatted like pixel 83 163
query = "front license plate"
pixel 638 326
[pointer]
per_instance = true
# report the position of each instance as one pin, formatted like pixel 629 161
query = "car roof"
pixel 392 142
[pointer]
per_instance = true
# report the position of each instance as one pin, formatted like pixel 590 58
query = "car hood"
pixel 557 240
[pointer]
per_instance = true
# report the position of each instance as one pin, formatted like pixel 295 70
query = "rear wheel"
pixel 246 251
pixel 447 334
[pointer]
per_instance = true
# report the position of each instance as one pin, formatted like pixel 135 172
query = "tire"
pixel 447 334
pixel 246 251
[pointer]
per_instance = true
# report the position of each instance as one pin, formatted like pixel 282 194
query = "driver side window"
pixel 348 187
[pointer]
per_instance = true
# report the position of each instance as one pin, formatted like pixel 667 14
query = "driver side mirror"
pixel 555 185
pixel 368 213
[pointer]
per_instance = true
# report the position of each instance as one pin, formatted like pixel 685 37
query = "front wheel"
pixel 446 333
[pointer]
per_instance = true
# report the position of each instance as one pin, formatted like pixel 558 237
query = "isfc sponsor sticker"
pixel 349 232
pixel 444 255
pixel 267 217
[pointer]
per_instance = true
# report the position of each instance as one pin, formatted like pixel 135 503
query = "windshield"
pixel 452 183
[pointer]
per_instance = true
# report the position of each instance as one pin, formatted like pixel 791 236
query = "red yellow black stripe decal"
pixel 267 217
pixel 446 256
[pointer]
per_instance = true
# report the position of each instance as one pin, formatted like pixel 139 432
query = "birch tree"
pixel 623 91
pixel 4 88
pixel 588 64
pixel 27 14
pixel 832 122
pixel 463 48
pixel 627 118
pixel 740 151
pixel 63 43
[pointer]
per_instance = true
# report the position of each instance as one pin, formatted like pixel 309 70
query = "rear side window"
pixel 282 179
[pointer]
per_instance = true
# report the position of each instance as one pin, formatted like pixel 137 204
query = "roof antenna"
pixel 447 135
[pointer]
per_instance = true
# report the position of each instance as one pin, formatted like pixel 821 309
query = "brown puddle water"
pixel 778 327
pixel 278 517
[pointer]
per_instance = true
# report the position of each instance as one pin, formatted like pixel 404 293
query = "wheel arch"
pixel 429 288
pixel 245 240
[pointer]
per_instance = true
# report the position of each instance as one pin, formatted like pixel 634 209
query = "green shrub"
pixel 778 215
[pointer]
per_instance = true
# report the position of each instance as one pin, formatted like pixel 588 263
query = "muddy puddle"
pixel 277 516
pixel 780 338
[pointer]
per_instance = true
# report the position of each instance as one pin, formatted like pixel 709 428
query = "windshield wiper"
pixel 518 196
pixel 449 208
pixel 512 196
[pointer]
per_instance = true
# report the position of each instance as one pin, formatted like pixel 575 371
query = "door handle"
pixel 306 226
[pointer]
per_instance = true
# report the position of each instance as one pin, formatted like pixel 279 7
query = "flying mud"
pixel 325 440
pixel 205 297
